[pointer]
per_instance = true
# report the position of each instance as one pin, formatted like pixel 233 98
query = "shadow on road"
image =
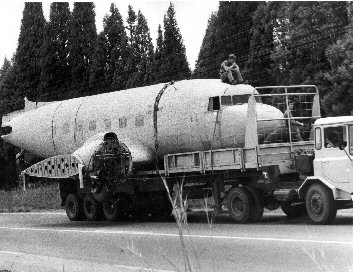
pixel 195 218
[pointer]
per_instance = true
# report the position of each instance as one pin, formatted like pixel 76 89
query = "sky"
pixel 192 17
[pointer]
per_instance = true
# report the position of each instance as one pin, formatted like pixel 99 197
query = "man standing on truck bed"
pixel 228 68
pixel 294 125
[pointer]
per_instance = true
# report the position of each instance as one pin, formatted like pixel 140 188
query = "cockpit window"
pixel 244 98
pixel 226 100
pixel 240 99
pixel 214 103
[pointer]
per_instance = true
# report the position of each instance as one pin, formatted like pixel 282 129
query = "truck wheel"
pixel 92 208
pixel 257 206
pixel 112 210
pixel 73 207
pixel 293 211
pixel 320 204
pixel 239 201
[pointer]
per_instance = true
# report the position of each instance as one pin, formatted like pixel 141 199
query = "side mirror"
pixel 342 145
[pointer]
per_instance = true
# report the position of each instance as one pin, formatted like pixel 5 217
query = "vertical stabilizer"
pixel 251 139
pixel 316 106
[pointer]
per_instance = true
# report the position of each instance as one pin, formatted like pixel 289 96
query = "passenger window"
pixel 226 100
pixel 92 125
pixel 66 128
pixel 107 124
pixel 334 136
pixel 122 122
pixel 139 121
pixel 214 104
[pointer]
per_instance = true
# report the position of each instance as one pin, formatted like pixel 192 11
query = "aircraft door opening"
pixel 64 126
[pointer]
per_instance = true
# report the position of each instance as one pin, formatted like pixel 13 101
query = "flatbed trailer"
pixel 267 172
pixel 302 176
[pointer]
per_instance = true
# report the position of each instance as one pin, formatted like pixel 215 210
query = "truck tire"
pixel 161 208
pixel 320 204
pixel 257 206
pixel 92 208
pixel 74 207
pixel 112 210
pixel 293 211
pixel 239 204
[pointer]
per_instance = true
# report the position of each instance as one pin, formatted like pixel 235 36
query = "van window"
pixel 214 104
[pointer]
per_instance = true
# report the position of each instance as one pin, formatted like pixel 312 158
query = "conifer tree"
pixel 207 55
pixel 146 49
pixel 158 56
pixel 143 47
pixel 29 48
pixel 134 57
pixel 10 98
pixel 100 81
pixel 55 71
pixel 117 47
pixel 5 94
pixel 81 46
pixel 258 66
pixel 174 63
pixel 5 68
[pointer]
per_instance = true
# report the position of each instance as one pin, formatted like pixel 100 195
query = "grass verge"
pixel 42 198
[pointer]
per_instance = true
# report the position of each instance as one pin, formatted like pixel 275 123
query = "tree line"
pixel 276 43
pixel 66 57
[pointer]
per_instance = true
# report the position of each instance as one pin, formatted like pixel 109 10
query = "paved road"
pixel 49 242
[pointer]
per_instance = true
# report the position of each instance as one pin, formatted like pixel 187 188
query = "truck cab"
pixel 331 186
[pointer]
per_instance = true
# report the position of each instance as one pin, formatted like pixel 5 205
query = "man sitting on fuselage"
pixel 228 69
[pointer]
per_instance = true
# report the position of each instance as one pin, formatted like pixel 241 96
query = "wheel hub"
pixel 72 207
pixel 90 207
pixel 238 206
pixel 316 204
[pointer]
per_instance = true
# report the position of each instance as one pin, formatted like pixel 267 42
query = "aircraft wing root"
pixel 61 166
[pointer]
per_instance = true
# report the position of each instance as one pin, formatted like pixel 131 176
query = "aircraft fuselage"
pixel 189 119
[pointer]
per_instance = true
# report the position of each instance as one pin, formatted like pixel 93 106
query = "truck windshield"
pixel 334 136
